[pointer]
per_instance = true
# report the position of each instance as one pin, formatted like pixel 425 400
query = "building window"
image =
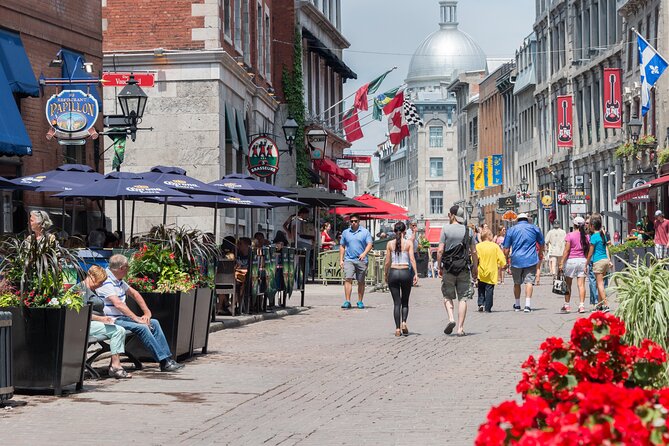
pixel 436 202
pixel 238 25
pixel 436 167
pixel 227 17
pixel 246 32
pixel 259 39
pixel 436 136
pixel 475 131
pixel 268 52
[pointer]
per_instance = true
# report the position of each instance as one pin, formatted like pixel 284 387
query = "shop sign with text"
pixel 263 157
pixel 72 115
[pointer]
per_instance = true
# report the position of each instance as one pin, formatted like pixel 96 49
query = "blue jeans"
pixel 152 338
pixel 592 284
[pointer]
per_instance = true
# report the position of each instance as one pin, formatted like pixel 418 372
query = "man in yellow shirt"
pixel 491 258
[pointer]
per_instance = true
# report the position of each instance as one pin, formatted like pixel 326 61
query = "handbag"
pixel 559 285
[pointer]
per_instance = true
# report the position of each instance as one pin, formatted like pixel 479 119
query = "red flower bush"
pixel 591 390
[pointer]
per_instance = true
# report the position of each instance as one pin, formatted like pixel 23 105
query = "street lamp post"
pixel 523 186
pixel 634 127
pixel 290 132
pixel 469 208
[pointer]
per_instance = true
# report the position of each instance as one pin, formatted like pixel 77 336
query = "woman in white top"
pixel 399 254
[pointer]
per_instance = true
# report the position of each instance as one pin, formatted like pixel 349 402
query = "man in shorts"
pixel 457 282
pixel 356 242
pixel 661 236
pixel 520 246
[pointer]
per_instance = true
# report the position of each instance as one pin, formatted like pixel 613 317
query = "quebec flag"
pixel 651 65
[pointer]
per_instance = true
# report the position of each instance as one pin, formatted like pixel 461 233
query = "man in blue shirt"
pixel 521 241
pixel 356 242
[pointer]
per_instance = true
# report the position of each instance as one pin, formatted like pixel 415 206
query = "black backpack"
pixel 457 259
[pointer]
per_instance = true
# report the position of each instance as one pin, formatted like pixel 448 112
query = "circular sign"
pixel 72 113
pixel 263 157
pixel 547 201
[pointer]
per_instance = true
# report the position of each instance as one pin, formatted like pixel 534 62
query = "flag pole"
pixel 352 94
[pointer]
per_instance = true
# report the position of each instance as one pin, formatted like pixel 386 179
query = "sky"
pixel 385 33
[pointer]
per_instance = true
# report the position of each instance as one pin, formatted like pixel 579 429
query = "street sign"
pixel 577 208
pixel 360 159
pixel 507 203
pixel 344 163
pixel 121 79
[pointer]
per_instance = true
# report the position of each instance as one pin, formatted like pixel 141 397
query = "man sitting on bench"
pixel 103 326
pixel 113 293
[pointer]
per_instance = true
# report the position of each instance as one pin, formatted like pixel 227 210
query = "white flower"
pixel 54 302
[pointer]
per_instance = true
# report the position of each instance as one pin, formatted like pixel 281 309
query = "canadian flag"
pixel 397 123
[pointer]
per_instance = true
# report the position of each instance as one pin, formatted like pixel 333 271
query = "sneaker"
pixel 581 309
pixel 361 306
pixel 346 305
pixel 527 309
pixel 516 307
pixel 480 308
pixel 605 309
pixel 565 308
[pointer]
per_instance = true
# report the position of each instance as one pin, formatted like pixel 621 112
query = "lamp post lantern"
pixel 133 101
pixel 290 132
pixel 469 208
pixel 634 127
pixel 524 185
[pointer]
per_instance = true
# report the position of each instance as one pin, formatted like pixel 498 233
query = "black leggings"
pixel 399 283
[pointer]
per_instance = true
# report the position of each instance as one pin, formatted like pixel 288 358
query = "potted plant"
pixel 49 323
pixel 619 256
pixel 422 256
pixel 173 266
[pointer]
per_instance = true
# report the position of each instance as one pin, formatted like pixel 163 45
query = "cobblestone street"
pixel 323 376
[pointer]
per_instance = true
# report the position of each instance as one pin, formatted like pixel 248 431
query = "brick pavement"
pixel 325 376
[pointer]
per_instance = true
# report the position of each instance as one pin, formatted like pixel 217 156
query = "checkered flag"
pixel 411 113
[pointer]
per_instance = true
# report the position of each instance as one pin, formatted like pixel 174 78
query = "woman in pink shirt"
pixel 573 263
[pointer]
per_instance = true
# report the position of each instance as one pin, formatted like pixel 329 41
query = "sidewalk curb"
pixel 250 319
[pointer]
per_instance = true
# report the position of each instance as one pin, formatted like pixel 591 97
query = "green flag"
pixel 381 100
pixel 119 149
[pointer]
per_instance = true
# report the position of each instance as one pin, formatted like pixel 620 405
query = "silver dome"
pixel 445 53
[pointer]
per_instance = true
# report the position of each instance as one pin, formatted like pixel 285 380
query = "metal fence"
pixel 329 271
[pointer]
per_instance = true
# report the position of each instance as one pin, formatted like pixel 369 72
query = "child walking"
pixel 491 259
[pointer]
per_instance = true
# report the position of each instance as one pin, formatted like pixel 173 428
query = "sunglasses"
pixel 355 221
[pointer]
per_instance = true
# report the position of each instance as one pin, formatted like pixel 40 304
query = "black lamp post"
pixel 523 186
pixel 634 127
pixel 133 101
pixel 290 132
pixel 469 208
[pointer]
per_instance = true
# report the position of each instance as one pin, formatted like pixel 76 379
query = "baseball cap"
pixel 457 212
pixel 579 221
pixel 658 213
pixel 522 216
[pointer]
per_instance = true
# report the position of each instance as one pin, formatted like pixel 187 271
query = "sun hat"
pixel 579 221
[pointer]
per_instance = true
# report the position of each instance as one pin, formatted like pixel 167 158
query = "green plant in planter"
pixel 647 140
pixel 423 244
pixel 155 269
pixel 626 150
pixel 35 272
pixel 663 156
pixel 643 297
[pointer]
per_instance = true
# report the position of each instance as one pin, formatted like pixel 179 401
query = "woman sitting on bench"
pixel 103 326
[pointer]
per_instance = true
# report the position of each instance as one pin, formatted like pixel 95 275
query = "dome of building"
pixel 445 53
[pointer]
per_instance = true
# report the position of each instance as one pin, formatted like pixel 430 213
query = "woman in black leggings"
pixel 399 254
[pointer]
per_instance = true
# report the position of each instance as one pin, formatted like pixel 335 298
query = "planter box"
pixel 421 263
pixel 618 259
pixel 650 255
pixel 201 316
pixel 174 311
pixel 49 348
pixel 636 255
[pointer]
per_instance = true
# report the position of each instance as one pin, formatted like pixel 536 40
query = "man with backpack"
pixel 520 245
pixel 458 267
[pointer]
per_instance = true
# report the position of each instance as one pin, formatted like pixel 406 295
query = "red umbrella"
pixel 378 207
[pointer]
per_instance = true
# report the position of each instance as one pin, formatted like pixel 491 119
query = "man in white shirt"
pixel 555 245
pixel 113 293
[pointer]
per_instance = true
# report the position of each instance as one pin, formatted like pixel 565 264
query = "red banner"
pixel 565 129
pixel 613 98
pixel 359 159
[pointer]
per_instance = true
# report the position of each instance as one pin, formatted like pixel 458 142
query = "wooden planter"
pixel 174 311
pixel 49 348
pixel 201 316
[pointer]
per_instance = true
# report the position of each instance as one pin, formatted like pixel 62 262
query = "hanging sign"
pixel 345 163
pixel 497 170
pixel 547 201
pixel 613 98
pixel 471 177
pixel 121 79
pixel 358 159
pixel 72 115
pixel 507 203
pixel 263 157
pixel 479 175
pixel 565 134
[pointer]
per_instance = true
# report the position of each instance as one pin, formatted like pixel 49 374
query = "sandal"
pixel 405 329
pixel 119 373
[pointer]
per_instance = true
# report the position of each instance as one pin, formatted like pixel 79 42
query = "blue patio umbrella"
pixel 122 186
pixel 176 178
pixel 246 185
pixel 11 185
pixel 63 178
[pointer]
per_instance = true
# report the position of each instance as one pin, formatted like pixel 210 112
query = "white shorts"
pixel 574 268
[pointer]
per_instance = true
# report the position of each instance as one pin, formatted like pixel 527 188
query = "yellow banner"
pixel 489 170
pixel 479 178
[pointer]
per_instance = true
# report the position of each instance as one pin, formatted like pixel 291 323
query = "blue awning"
pixel 14 61
pixel 73 69
pixel 14 139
